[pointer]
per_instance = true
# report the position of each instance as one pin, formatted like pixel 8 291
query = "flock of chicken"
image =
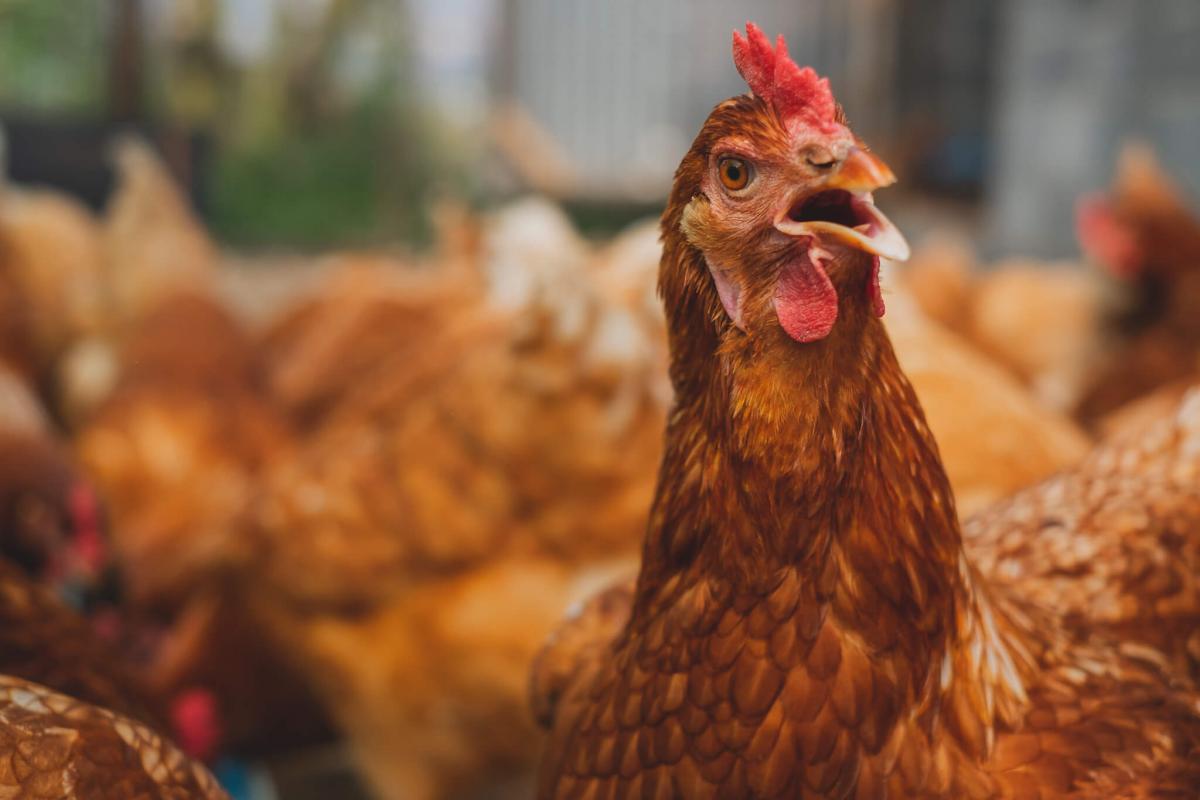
pixel 350 498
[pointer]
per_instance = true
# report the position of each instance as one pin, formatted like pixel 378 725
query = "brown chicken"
pixel 178 449
pixel 51 257
pixel 50 518
pixel 52 745
pixel 1114 542
pixel 994 437
pixel 1041 321
pixel 1147 237
pixel 153 244
pixel 806 622
pixel 478 441
pixel 43 641
pixel 177 439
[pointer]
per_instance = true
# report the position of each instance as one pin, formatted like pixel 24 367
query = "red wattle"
pixel 805 300
pixel 874 293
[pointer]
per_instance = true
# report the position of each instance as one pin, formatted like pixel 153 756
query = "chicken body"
pixel 806 622
pixel 52 745
pixel 1113 543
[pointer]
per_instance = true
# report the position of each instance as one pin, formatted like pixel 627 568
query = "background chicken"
pixel 1082 345
pixel 1115 542
pixel 177 443
pixel 51 263
pixel 1146 235
pixel 441 514
pixel 1040 321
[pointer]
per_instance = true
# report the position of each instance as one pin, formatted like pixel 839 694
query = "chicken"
pixel 1114 542
pixel 52 745
pixel 51 257
pixel 479 439
pixel 994 437
pixel 1041 321
pixel 806 621
pixel 50 522
pixel 1082 346
pixel 153 244
pixel 178 449
pixel 44 642
pixel 184 427
pixel 1148 238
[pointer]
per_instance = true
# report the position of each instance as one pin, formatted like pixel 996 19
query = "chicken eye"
pixel 735 173
pixel 820 158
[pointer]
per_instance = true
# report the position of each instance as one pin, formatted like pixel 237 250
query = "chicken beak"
pixel 858 175
pixel 861 171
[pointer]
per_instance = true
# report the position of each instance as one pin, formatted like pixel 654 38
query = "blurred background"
pixel 343 312
pixel 309 122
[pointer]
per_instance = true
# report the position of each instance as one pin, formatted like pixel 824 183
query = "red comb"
pixel 795 93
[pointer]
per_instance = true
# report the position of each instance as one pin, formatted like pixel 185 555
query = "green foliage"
pixel 339 184
pixel 52 55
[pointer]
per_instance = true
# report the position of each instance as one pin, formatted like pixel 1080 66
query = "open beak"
pixel 845 212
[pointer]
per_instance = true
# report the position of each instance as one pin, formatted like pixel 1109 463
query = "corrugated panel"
pixel 1077 78
pixel 623 86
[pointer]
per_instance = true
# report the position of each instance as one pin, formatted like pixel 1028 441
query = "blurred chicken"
pixel 993 436
pixel 43 641
pixel 1082 346
pixel 1041 321
pixel 499 438
pixel 177 446
pixel 184 426
pixel 51 263
pixel 50 522
pixel 1148 238
pixel 153 243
